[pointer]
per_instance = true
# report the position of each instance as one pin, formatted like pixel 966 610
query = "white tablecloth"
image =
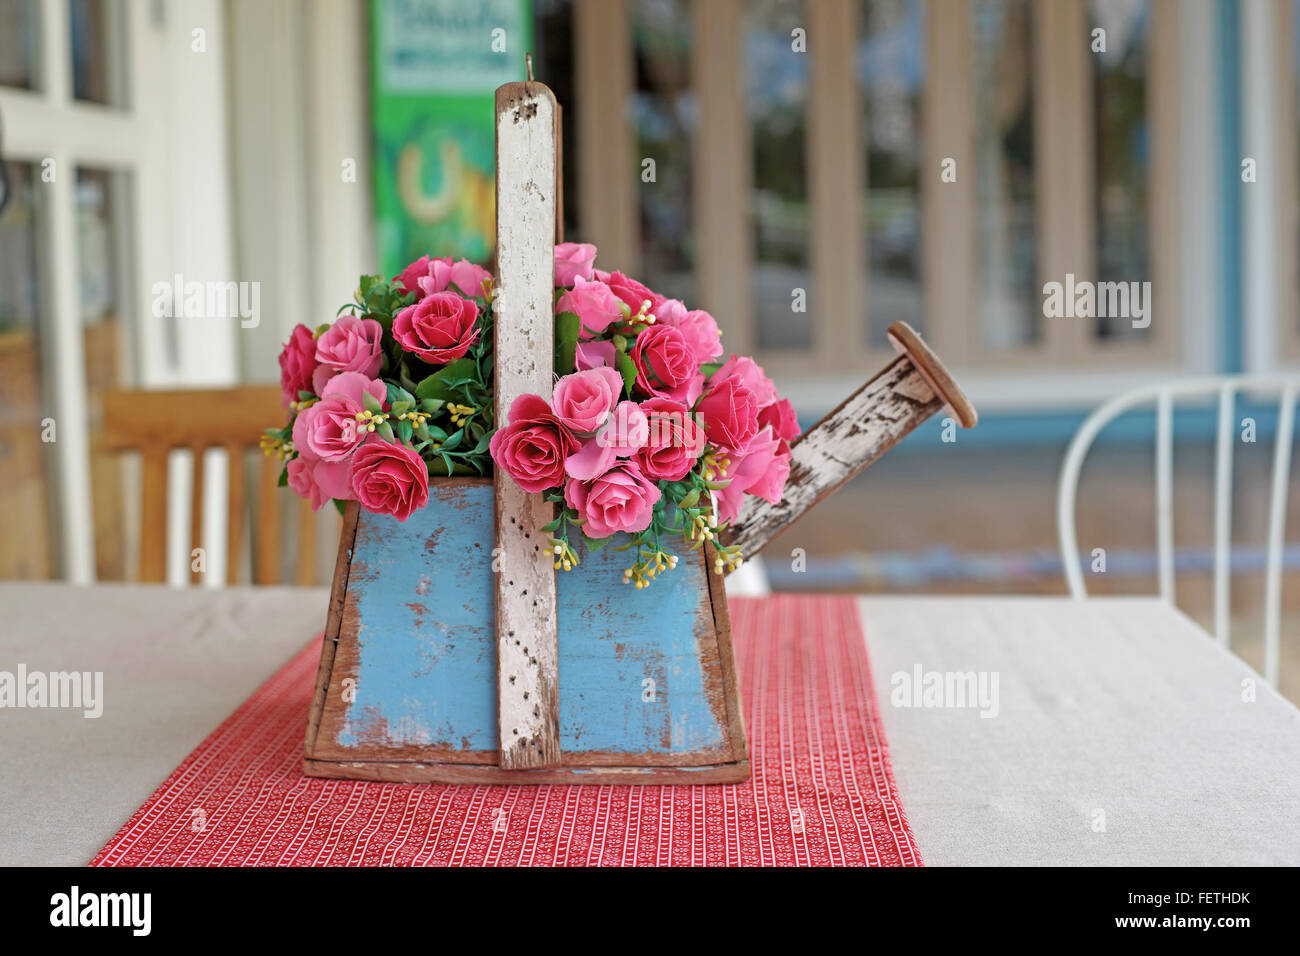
pixel 1121 736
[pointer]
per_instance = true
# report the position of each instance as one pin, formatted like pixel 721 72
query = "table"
pixel 1121 735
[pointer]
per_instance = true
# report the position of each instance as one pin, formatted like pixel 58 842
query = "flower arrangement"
pixel 647 432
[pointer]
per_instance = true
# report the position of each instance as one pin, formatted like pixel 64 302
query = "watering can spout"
pixel 867 424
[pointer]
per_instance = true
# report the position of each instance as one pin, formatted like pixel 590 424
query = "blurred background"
pixel 809 172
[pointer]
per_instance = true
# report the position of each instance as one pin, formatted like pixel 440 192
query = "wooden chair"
pixel 154 423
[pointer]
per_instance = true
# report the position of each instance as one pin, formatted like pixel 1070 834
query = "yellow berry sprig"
pixel 371 420
pixel 565 557
pixel 728 558
pixel 277 445
pixel 649 566
pixel 460 414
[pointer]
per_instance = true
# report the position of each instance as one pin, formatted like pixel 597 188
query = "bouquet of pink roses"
pixel 646 433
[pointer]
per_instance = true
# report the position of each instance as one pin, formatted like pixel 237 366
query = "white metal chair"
pixel 1226 388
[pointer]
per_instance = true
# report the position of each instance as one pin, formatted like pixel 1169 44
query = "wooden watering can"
pixel 453 653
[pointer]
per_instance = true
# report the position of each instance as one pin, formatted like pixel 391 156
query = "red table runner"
pixel 822 790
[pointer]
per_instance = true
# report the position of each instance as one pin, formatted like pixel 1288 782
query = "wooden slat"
pixel 165 418
pixel 196 514
pixel 236 504
pixel 307 528
pixel 527 654
pixel 266 542
pixel 153 516
pixel 722 170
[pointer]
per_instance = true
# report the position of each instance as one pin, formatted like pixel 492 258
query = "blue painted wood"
pixel 638 669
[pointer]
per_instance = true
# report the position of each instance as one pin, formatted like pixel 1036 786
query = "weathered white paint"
pixel 527 657
pixel 868 424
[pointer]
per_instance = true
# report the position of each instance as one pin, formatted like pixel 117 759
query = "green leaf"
pixel 626 366
pixel 284 477
pixel 454 441
pixel 341 505
pixel 440 384
pixel 595 544
pixel 400 408
pixel 385 431
pixel 404 431
pixel 432 405
pixel 690 500
pixel 567 329
pixel 372 404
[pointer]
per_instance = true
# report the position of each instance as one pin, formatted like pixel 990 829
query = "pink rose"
pixel 750 374
pixel 409 278
pixel 626 431
pixel 780 415
pixel 329 430
pixel 573 259
pixel 593 303
pixel 349 345
pixel 297 362
pixel 599 354
pixel 439 328
pixel 674 440
pixel 696 326
pixel 353 385
pixel 389 479
pixel 761 469
pixel 666 365
pixel 729 413
pixel 583 400
pixel 425 276
pixel 620 499
pixel 532 448
pixel 319 481
pixel 632 293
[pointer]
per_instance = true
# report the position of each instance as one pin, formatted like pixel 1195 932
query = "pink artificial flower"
pixel 761 469
pixel 328 430
pixel 729 413
pixel 583 400
pixel 674 440
pixel 750 374
pixel 349 345
pixel 297 362
pixel 619 499
pixel 426 276
pixel 573 259
pixel 597 354
pixel 593 303
pixel 632 293
pixel 780 415
pixel 353 385
pixel 625 432
pixel 532 448
pixel 439 328
pixel 696 326
pixel 389 479
pixel 666 365
pixel 318 481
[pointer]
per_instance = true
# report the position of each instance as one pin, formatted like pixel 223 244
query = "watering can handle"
pixel 527 174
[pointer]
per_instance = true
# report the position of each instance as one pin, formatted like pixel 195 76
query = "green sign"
pixel 435 67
